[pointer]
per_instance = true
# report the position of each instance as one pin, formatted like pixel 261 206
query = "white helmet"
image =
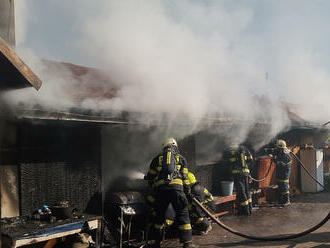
pixel 280 144
pixel 170 141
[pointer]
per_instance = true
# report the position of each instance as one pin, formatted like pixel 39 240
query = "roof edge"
pixel 22 68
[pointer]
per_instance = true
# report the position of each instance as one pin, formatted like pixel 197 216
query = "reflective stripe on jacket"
pixel 180 179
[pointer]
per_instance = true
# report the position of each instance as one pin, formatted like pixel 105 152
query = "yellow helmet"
pixel 192 178
pixel 170 141
pixel 280 144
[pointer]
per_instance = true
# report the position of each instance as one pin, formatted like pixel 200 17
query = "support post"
pixel 7 21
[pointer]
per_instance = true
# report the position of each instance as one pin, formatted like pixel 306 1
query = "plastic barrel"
pixel 226 188
pixel 263 167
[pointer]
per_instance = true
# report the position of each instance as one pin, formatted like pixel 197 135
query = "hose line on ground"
pixel 276 238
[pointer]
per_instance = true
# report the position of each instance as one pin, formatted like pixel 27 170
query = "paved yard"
pixel 304 212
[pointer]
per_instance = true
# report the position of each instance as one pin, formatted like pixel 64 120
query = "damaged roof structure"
pixel 14 72
pixel 90 83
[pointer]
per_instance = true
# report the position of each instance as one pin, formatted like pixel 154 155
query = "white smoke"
pixel 193 59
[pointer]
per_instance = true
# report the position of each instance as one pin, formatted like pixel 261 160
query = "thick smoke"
pixel 194 60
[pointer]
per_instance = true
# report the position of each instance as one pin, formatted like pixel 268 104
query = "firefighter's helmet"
pixel 192 178
pixel 170 141
pixel 280 144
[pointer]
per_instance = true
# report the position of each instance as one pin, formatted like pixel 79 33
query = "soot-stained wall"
pixel 58 161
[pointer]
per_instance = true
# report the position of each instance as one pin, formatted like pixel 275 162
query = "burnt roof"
pixel 87 82
pixel 14 73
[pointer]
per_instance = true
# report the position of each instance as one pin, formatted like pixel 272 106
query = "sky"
pixel 54 28
pixel 188 57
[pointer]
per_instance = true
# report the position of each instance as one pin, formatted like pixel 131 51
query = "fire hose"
pixel 276 238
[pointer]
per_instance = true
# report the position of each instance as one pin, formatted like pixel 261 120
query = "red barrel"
pixel 263 167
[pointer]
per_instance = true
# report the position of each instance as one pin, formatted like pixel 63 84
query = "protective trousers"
pixel 198 219
pixel 201 225
pixel 178 199
pixel 151 214
pixel 241 184
pixel 282 176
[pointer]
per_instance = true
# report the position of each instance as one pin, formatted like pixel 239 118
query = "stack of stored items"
pixel 19 231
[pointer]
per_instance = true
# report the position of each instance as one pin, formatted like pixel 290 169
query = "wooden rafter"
pixel 14 73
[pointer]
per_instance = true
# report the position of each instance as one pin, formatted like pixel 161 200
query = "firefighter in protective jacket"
pixel 168 174
pixel 201 224
pixel 238 159
pixel 282 160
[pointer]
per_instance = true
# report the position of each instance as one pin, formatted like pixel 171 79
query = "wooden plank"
pixel 221 213
pixel 22 73
pixel 224 199
pixel 9 191
pixel 93 224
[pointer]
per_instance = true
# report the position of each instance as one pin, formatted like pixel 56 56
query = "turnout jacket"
pixel 201 193
pixel 180 179
pixel 238 159
pixel 283 165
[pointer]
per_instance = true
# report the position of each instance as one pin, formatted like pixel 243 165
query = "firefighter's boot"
pixel 286 200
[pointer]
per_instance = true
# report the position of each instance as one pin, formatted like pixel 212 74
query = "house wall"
pixel 9 169
pixel 57 161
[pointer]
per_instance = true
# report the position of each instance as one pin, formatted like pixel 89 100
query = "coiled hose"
pixel 276 238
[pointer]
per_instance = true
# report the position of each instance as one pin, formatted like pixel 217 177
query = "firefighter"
pixel 201 224
pixel 151 214
pixel 238 159
pixel 282 159
pixel 169 175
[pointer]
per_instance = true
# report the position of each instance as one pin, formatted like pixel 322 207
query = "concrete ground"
pixel 305 211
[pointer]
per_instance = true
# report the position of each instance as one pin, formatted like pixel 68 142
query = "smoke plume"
pixel 194 60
